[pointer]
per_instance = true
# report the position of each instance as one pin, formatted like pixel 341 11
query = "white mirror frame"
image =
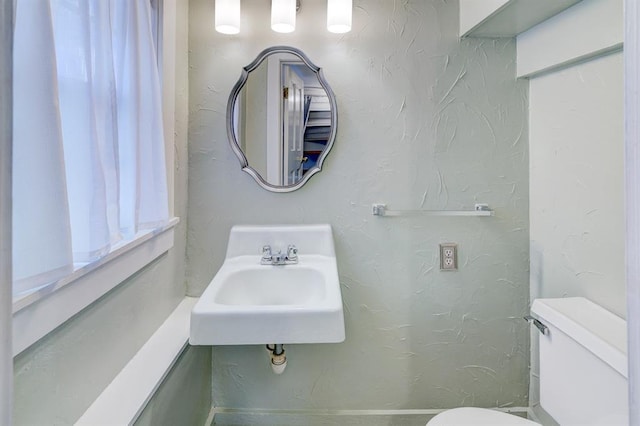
pixel 231 105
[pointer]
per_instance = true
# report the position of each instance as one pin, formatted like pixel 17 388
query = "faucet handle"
pixel 292 252
pixel 266 253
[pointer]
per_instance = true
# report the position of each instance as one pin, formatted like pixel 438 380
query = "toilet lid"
pixel 468 416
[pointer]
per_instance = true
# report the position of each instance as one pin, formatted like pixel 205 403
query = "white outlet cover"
pixel 448 257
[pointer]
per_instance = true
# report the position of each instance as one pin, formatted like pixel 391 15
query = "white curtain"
pixel 143 174
pixel 41 229
pixel 90 165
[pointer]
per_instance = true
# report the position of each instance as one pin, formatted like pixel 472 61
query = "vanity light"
pixel 339 16
pixel 228 16
pixel 283 15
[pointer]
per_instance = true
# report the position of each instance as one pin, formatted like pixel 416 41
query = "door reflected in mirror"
pixel 282 119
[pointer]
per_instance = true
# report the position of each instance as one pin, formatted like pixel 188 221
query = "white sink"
pixel 249 303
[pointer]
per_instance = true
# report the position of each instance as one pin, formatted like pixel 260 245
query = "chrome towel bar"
pixel 479 210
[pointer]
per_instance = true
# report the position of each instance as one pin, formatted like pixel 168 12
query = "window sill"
pixel 38 313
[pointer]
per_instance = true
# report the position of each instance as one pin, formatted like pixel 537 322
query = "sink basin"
pixel 249 303
pixel 254 286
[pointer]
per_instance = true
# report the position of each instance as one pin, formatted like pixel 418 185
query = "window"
pixel 89 163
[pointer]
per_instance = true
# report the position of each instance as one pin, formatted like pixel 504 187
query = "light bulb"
pixel 339 16
pixel 228 16
pixel 283 15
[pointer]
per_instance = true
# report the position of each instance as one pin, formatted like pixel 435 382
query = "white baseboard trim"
pixel 123 400
pixel 210 417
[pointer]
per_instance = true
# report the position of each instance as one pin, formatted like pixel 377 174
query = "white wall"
pixel 6 119
pixel 255 119
pixel 60 376
pixel 425 121
pixel 576 183
pixel 632 199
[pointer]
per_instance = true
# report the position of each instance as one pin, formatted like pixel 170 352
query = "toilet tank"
pixel 583 362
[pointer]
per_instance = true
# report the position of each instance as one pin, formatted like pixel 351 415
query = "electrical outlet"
pixel 448 257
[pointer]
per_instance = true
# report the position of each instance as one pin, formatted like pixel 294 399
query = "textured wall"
pixel 60 376
pixel 577 178
pixel 425 121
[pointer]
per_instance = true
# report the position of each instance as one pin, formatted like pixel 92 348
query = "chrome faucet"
pixel 279 258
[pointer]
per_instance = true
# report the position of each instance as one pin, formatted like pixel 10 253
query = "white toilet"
pixel 583 369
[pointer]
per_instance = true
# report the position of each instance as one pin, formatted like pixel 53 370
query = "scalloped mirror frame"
pixel 233 98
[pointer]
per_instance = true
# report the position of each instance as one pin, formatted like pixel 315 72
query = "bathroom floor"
pixel 291 419
pixel 235 419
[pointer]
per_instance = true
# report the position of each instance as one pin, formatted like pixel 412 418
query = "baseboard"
pixel 210 417
pixel 538 414
pixel 419 417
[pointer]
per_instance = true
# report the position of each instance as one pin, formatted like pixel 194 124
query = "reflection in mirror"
pixel 282 119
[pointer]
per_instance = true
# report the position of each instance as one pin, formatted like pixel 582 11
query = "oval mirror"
pixel 281 119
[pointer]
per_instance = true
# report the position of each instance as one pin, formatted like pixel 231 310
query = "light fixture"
pixel 228 16
pixel 283 15
pixel 339 16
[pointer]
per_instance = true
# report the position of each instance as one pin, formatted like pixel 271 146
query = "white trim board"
pixel 590 28
pixel 506 18
pixel 43 311
pixel 632 188
pixel 124 399
pixel 6 113
pixel 167 54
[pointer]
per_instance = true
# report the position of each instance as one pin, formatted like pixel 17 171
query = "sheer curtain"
pixel 41 228
pixel 142 180
pixel 89 168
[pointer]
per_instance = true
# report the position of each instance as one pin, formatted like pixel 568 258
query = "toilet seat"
pixel 470 416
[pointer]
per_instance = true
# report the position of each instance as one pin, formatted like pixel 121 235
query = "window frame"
pixel 38 313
